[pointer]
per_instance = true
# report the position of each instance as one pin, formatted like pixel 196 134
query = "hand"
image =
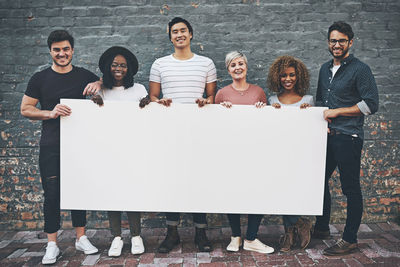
pixel 260 104
pixel 60 110
pixel 330 114
pixel 276 105
pixel 305 105
pixel 165 101
pixel 144 101
pixel 226 104
pixel 201 102
pixel 97 99
pixel 92 88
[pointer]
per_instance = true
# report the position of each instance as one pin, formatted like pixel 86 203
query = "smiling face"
pixel 339 45
pixel 180 35
pixel 119 68
pixel 237 68
pixel 61 53
pixel 288 78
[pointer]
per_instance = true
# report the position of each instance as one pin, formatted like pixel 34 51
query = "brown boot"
pixel 303 229
pixel 287 240
pixel 171 240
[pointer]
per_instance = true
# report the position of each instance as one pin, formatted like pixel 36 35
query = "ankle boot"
pixel 201 240
pixel 171 240
pixel 287 239
pixel 303 229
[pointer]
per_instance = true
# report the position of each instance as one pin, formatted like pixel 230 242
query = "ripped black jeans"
pixel 49 164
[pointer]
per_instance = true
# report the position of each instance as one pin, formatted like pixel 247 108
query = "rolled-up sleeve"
pixel 368 91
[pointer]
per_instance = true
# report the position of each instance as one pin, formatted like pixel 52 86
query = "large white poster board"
pixel 187 159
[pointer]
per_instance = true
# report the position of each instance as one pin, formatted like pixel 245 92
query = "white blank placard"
pixel 189 159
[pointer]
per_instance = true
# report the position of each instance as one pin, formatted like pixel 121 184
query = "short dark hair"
pixel 59 36
pixel 178 20
pixel 342 27
pixel 108 79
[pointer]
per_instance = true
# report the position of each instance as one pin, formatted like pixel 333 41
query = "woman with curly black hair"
pixel 118 66
pixel 288 77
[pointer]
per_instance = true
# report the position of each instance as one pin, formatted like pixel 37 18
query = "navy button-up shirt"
pixel 353 84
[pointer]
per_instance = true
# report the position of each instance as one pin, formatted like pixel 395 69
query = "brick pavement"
pixel 379 245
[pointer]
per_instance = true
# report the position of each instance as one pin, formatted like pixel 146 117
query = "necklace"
pixel 242 92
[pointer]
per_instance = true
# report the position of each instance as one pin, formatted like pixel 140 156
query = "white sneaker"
pixel 116 247
pixel 52 251
pixel 137 245
pixel 83 244
pixel 257 246
pixel 235 244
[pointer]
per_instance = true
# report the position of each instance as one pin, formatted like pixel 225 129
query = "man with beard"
pixel 61 80
pixel 347 87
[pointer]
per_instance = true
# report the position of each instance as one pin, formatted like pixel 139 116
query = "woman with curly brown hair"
pixel 288 77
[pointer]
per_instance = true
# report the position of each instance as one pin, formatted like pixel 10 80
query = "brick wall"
pixel 263 30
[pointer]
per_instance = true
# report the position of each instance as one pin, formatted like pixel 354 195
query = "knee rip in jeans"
pixel 50 178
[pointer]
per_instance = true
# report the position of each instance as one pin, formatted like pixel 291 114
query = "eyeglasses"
pixel 122 66
pixel 340 41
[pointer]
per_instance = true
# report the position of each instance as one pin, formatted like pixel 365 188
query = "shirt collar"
pixel 345 61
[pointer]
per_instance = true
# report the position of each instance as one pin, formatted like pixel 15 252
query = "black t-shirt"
pixel 48 87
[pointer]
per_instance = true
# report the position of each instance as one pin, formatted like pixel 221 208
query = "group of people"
pixel 345 85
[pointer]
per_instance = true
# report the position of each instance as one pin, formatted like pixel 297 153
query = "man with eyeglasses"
pixel 347 87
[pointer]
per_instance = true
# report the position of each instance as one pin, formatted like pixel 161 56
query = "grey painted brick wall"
pixel 261 29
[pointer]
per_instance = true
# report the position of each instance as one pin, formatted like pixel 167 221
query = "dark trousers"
pixel 49 164
pixel 114 217
pixel 199 219
pixel 290 220
pixel 253 223
pixel 344 151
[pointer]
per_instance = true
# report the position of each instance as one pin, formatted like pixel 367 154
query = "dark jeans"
pixel 114 217
pixel 49 164
pixel 199 219
pixel 344 151
pixel 290 220
pixel 253 223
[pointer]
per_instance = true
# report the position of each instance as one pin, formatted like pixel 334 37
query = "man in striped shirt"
pixel 183 77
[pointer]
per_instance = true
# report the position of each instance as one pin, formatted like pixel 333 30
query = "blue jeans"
pixel 344 151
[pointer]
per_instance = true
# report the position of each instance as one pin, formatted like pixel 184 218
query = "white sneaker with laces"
pixel 257 246
pixel 83 244
pixel 235 244
pixel 137 245
pixel 116 247
pixel 52 251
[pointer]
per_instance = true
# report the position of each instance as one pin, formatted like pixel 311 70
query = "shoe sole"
pixel 258 251
pixel 339 254
pixel 90 252
pixel 51 261
pixel 137 252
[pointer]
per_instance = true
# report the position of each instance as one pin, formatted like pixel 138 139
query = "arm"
pixel 29 110
pixel 210 92
pixel 348 111
pixel 155 90
pixel 93 88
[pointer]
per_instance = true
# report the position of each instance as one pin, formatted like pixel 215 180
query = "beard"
pixel 63 65
pixel 344 53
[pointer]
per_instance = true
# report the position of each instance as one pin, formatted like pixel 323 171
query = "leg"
pixel 253 223
pixel 234 222
pixel 79 222
pixel 322 222
pixel 289 220
pixel 134 222
pixel 200 239
pixel 287 240
pixel 135 228
pixel 349 167
pixel 114 218
pixel 172 239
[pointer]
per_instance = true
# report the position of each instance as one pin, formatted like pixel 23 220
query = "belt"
pixel 334 132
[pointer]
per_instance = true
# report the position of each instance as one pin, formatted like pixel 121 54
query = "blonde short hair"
pixel 232 56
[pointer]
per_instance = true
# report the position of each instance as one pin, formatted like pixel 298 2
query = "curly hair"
pixel 279 66
pixel 108 78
